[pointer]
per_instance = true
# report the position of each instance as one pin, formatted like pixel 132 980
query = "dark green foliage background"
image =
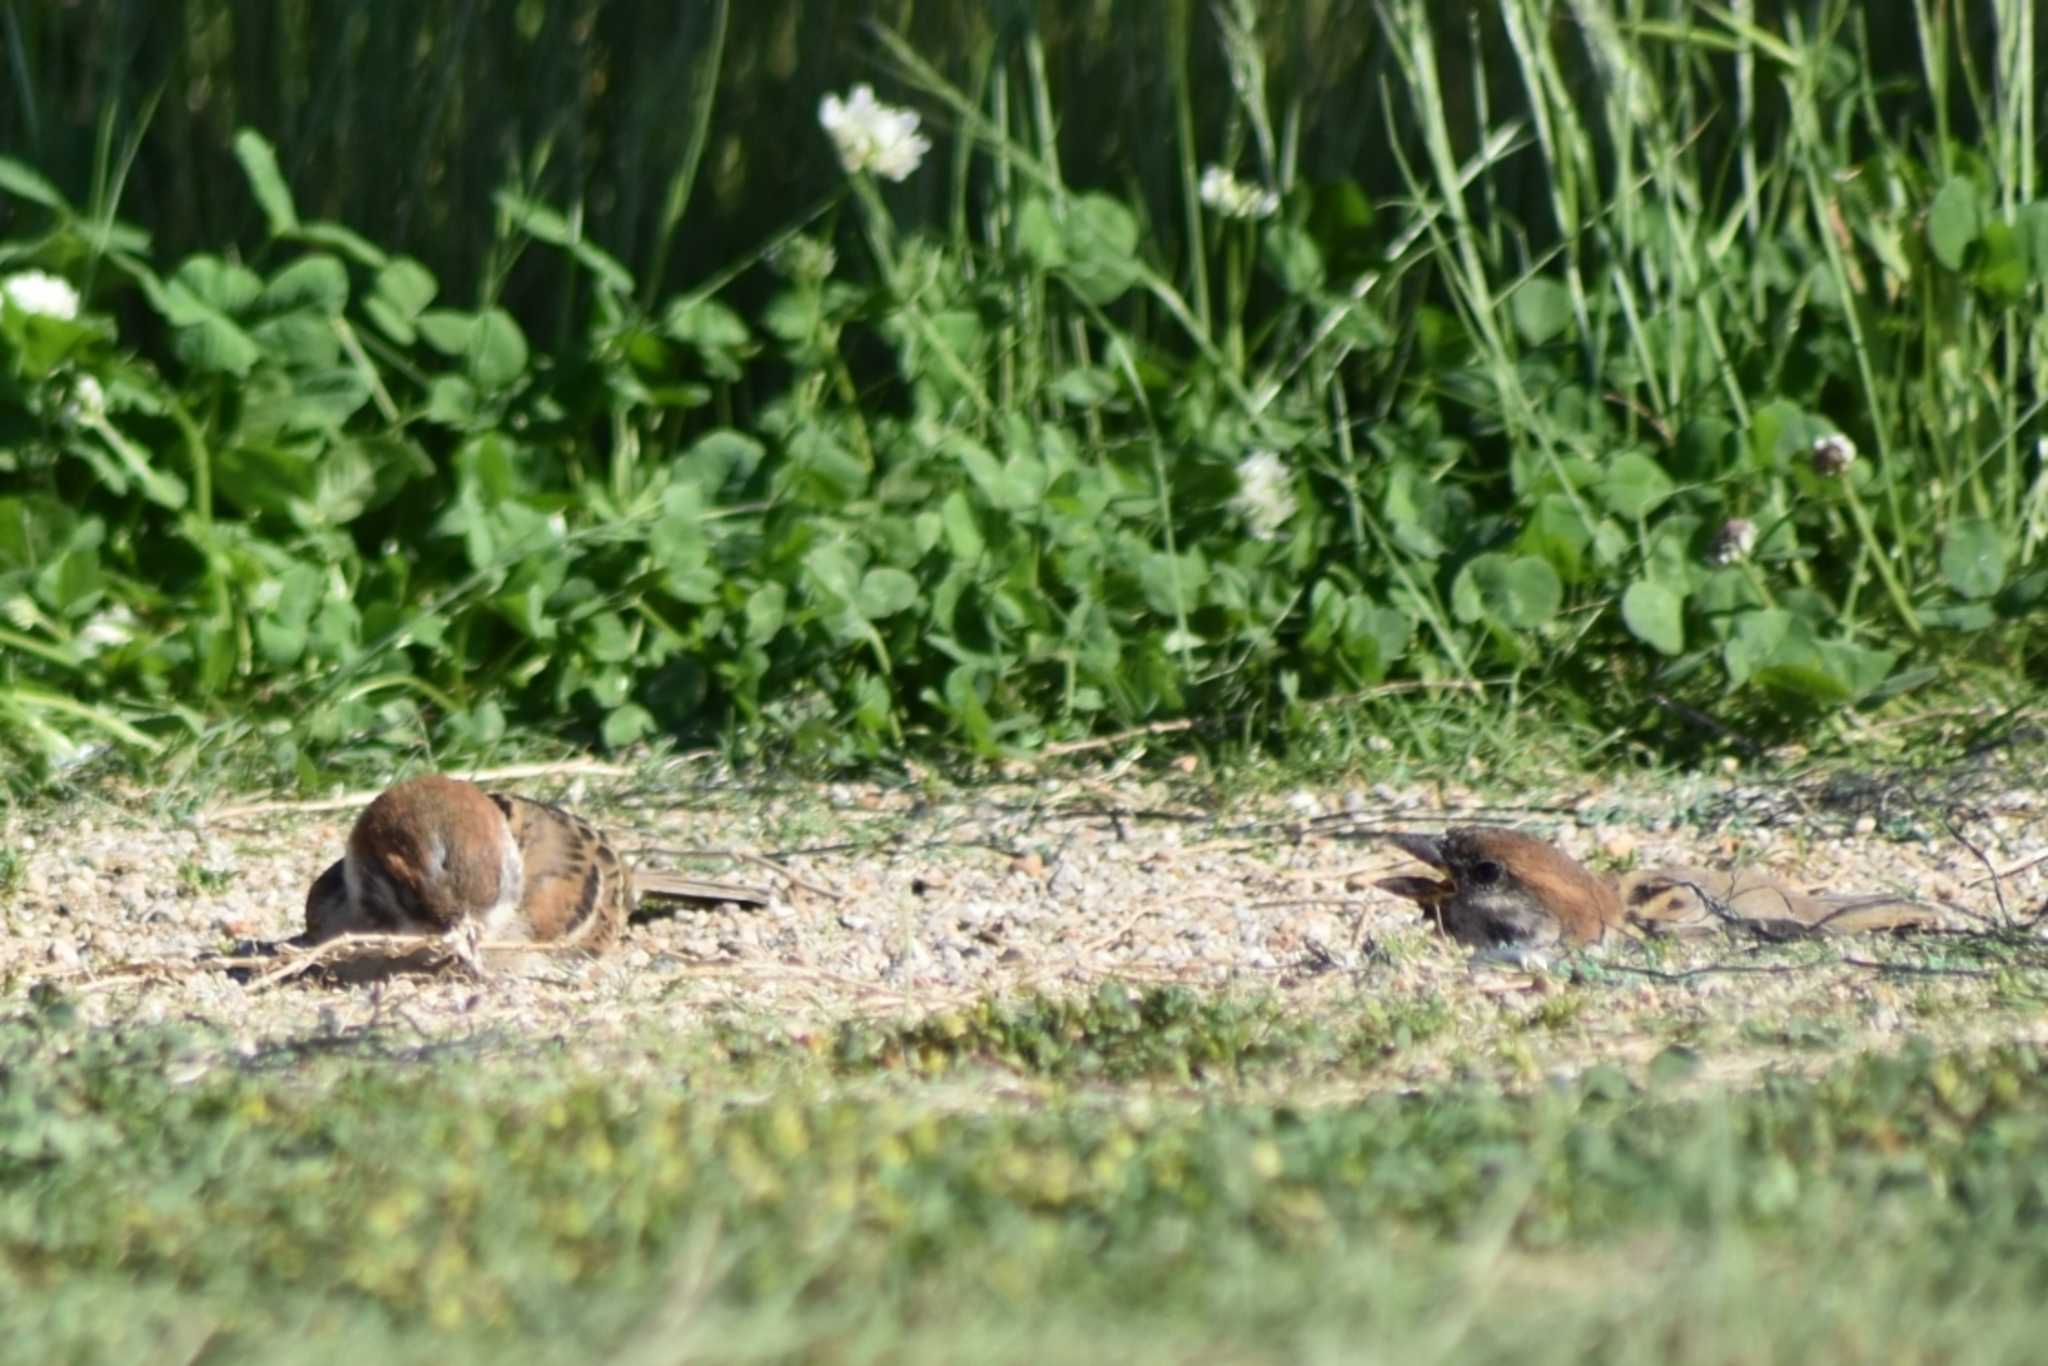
pixel 488 366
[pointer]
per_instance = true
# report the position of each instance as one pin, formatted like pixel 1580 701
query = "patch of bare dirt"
pixel 902 899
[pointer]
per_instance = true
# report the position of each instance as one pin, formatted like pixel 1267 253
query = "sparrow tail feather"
pixel 656 886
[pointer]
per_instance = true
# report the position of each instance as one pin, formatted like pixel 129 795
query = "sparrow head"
pixel 1506 889
pixel 423 857
pixel 329 912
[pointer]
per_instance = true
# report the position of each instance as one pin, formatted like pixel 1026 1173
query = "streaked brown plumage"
pixel 434 854
pixel 1505 889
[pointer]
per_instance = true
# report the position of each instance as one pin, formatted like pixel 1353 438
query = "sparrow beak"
pixel 1419 846
pixel 1427 891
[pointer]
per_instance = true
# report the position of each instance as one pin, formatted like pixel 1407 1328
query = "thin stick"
pixel 1997 881
pixel 2030 861
pixel 1917 969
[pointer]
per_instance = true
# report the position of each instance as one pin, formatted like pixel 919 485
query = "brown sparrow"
pixel 1508 890
pixel 433 855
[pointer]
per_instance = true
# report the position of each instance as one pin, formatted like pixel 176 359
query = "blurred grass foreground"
pixel 835 379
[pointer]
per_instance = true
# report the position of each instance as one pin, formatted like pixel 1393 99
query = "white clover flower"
pixel 1833 454
pixel 38 291
pixel 1233 198
pixel 872 136
pixel 1733 541
pixel 108 629
pixel 87 399
pixel 1265 494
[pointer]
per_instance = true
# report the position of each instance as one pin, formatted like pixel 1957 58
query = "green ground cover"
pixel 737 1193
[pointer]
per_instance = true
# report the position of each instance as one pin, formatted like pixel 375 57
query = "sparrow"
pixel 1507 890
pixel 433 855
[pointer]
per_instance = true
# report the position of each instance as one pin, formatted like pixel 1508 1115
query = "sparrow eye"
pixel 1484 873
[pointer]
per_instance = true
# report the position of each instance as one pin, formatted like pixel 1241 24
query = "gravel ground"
pixel 899 900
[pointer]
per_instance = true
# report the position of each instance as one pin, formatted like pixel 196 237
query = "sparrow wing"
pixel 575 886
